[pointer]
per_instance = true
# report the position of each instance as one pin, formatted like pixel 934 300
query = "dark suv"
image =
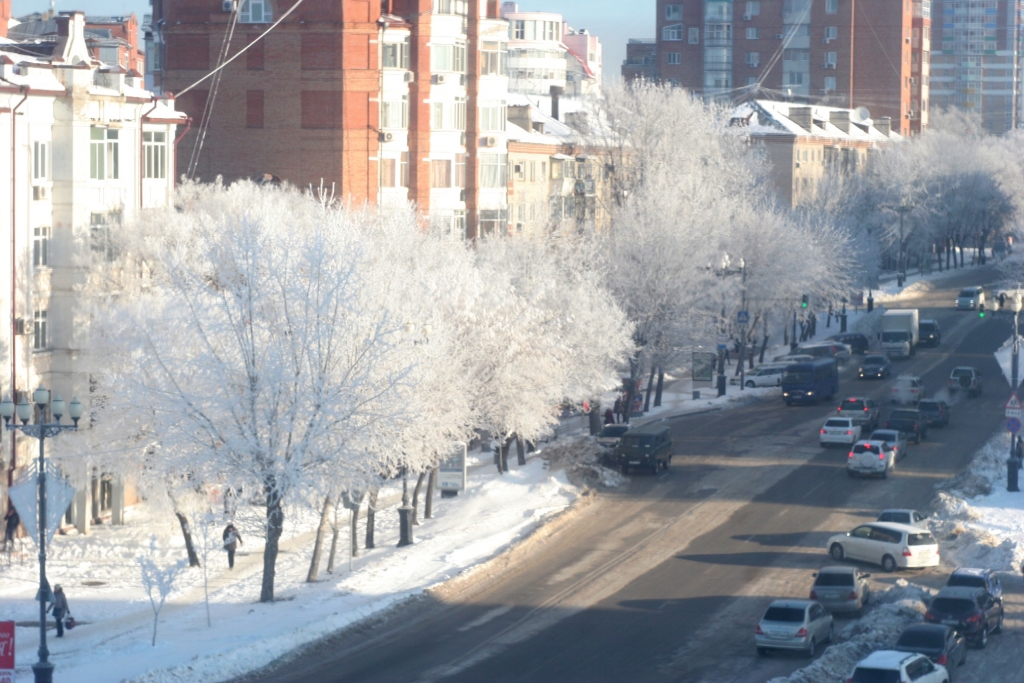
pixel 857 342
pixel 940 643
pixel 972 611
pixel 909 422
pixel 648 447
pixel 976 578
pixel 935 413
pixel 930 332
pixel 863 411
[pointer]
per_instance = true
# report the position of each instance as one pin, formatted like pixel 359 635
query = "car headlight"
pixel 810 393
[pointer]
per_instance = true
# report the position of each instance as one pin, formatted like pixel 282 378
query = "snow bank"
pixel 581 458
pixel 891 611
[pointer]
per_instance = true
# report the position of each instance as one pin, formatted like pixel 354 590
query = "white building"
pixel 84 148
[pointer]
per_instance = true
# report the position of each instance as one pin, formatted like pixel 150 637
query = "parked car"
pixel 907 389
pixel 767 375
pixel 970 298
pixel 892 666
pixel 909 517
pixel 977 578
pixel 837 350
pixel 841 589
pixel 940 643
pixel 788 358
pixel 893 546
pixel 972 611
pixel 870 457
pixel 610 435
pixel 864 411
pixel 793 625
pixel 894 440
pixel 966 378
pixel 935 413
pixel 857 342
pixel 875 366
pixel 841 430
pixel 909 422
pixel 648 447
pixel 930 333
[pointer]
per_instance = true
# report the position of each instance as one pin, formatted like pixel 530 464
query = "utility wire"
pixel 204 124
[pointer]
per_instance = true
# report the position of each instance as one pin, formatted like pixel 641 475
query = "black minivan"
pixel 648 447
pixel 930 332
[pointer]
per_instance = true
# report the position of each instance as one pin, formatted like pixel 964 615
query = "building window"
pixel 718 32
pixel 387 172
pixel 396 55
pixel 830 83
pixel 103 154
pixel 492 221
pixel 40 247
pixel 40 161
pixel 831 32
pixel 460 170
pixel 674 12
pixel 449 57
pixel 753 8
pixel 751 80
pixel 493 170
pixel 519 169
pixel 450 7
pixel 437 116
pixel 460 113
pixel 494 59
pixel 155 148
pixel 753 58
pixel 39 330
pixel 255 12
pixel 101 239
pixel 752 34
pixel 831 6
pixel 441 173
pixel 794 78
pixel 675 57
pixel 830 58
pixel 672 32
pixel 694 35
pixel 395 113
pixel 492 117
pixel 403 170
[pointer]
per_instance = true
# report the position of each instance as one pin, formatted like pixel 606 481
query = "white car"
pixel 898 667
pixel 888 544
pixel 871 457
pixel 841 430
pixel 767 375
pixel 907 390
pixel 904 516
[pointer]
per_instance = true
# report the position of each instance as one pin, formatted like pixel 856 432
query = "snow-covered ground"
pixel 101 578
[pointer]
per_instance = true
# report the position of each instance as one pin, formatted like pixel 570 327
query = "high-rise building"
pixel 641 60
pixel 976 59
pixel 841 52
pixel 392 100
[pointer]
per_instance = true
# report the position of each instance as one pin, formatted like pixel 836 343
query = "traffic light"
pixel 981 311
pixel 803 301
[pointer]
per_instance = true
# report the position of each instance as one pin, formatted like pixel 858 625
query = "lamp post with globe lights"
pixel 43 669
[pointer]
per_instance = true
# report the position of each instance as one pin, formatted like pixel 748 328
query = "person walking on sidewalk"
pixel 609 416
pixel 11 522
pixel 232 539
pixel 617 410
pixel 59 608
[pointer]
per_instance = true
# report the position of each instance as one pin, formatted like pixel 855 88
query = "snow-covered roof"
pixel 769 117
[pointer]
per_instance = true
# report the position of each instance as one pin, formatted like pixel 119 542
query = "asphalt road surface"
pixel 665 580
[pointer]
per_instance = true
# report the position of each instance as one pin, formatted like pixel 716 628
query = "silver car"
pixel 895 440
pixel 903 516
pixel 793 625
pixel 841 589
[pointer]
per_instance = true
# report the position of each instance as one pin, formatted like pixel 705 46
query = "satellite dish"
pixel 861 114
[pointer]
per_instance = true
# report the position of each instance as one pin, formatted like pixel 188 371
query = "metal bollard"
pixel 696 395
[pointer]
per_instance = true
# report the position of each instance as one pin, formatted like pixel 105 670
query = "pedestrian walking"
pixel 59 608
pixel 11 522
pixel 617 411
pixel 609 416
pixel 232 539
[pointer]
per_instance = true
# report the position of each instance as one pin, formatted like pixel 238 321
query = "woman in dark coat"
pixel 232 539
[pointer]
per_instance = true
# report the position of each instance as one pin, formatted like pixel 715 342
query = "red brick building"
pixel 5 16
pixel 848 53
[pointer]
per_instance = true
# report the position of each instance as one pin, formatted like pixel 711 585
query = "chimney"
pixel 556 93
pixel 71 48
pixel 884 125
pixel 520 114
pixel 801 116
pixel 840 119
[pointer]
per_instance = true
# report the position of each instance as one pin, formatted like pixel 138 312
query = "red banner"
pixel 6 651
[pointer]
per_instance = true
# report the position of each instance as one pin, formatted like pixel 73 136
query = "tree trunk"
pixel 428 504
pixel 371 514
pixel 193 558
pixel 520 451
pixel 764 338
pixel 634 370
pixel 416 497
pixel 353 518
pixel 318 541
pixel 650 385
pixel 275 521
pixel 334 541
pixel 658 390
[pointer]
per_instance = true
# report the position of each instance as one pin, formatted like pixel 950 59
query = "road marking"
pixel 810 491
pixel 486 617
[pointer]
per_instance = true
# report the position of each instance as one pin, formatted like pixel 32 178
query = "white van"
pixel 970 299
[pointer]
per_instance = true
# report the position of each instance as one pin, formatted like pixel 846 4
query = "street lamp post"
pixel 742 272
pixel 43 669
pixel 405 513
pixel 1015 304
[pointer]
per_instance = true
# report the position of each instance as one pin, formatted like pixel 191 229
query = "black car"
pixel 930 332
pixel 935 413
pixel 977 578
pixel 909 422
pixel 875 367
pixel 857 342
pixel 972 611
pixel 940 643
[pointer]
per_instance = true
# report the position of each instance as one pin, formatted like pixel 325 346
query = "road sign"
pixel 451 473
pixel 1014 407
pixel 24 496
pixel 6 651
pixel 743 317
pixel 1013 425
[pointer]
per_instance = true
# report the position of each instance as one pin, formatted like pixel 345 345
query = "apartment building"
pixel 111 40
pixel 976 62
pixel 85 147
pixel 804 143
pixel 641 61
pixel 840 52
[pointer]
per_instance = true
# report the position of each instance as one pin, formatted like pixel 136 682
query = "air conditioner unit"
pixel 385 137
pixel 21 326
pixel 746 17
pixel 828 65
pixel 753 65
pixel 40 192
pixel 826 41
pixel 440 79
pixel 490 141
pixel 409 77
pixel 779 36
pixel 913 81
pixel 228 5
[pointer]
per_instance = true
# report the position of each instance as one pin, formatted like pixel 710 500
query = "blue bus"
pixel 810 381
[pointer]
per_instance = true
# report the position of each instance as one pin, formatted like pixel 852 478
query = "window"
pixel 40 247
pixel 396 56
pixel 255 12
pixel 441 173
pixel 519 169
pixel 830 58
pixel 403 170
pixel 753 58
pixel 450 7
pixel 460 113
pixel 831 6
pixel 718 32
pixel 831 32
pixel 100 237
pixel 753 8
pixel 39 330
pixel 751 80
pixel 449 57
pixel 155 148
pixel 532 168
pixel 752 34
pixel 494 59
pixel 493 170
pixel 395 113
pixel 830 83
pixel 674 12
pixel 40 160
pixel 492 117
pixel 103 154
pixel 387 172
pixel 492 221
pixel 460 170
pixel 694 35
pixel 674 57
pixel 672 32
